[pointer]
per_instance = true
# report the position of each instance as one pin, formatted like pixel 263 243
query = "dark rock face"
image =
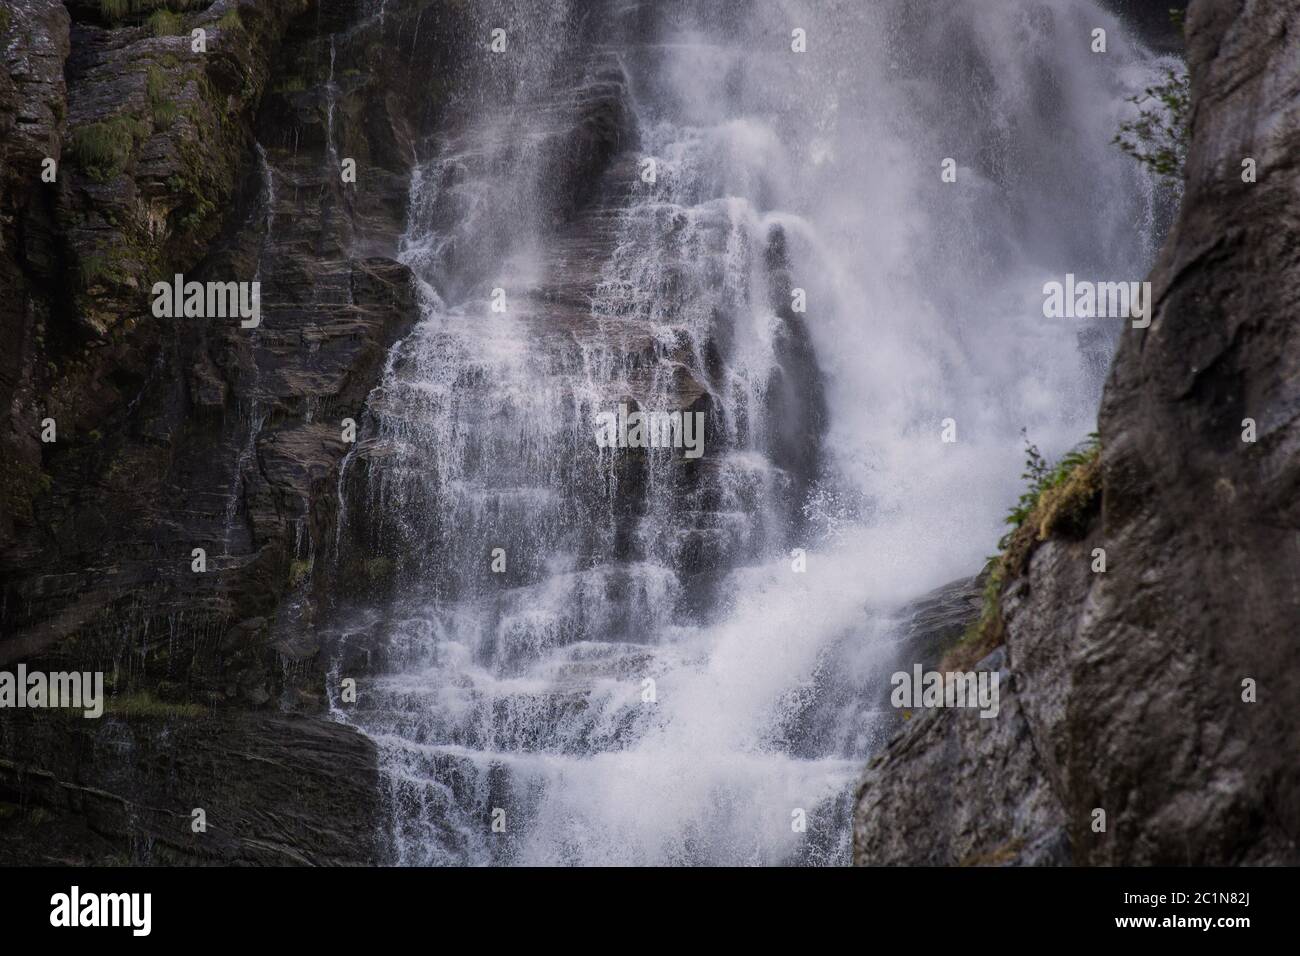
pixel 177 434
pixel 274 789
pixel 796 406
pixel 1124 690
pixel 920 808
pixel 928 627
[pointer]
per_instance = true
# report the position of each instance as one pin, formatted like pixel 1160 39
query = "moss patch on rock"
pixel 20 485
pixel 144 705
pixel 103 149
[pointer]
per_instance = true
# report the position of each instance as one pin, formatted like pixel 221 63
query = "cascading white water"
pixel 525 690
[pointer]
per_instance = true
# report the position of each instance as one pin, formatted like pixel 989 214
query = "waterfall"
pixel 629 655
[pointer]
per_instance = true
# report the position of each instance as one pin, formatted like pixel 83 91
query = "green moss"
pixel 298 571
pixel 200 210
pixel 103 149
pixel 4 20
pixel 378 569
pixel 291 84
pixel 144 704
pixel 196 179
pixel 113 10
pixel 1043 478
pixel 230 20
pixel 38 815
pixel 1064 508
pixel 163 107
pixel 985 632
pixel 164 23
pixel 100 267
pixel 20 485
pixel 92 268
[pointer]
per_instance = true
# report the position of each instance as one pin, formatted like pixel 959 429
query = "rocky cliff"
pixel 1163 690
pixel 133 148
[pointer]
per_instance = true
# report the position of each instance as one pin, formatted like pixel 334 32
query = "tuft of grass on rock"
pixel 299 571
pixel 103 149
pixel 378 569
pixel 164 23
pixel 163 106
pixel 291 84
pixel 114 10
pixel 144 704
pixel 20 485
pixel 1058 501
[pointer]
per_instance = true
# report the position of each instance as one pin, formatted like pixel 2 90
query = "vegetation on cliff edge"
pixel 1057 500
pixel 1159 135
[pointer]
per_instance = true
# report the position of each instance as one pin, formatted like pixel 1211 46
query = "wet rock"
pixel 1128 687
pixel 274 790
pixel 177 434
pixel 958 788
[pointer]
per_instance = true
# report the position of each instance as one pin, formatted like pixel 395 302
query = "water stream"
pixel 618 656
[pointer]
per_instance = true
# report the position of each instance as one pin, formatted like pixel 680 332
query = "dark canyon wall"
pixel 177 434
pixel 1121 691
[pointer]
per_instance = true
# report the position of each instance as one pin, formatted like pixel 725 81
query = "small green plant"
pixel 164 23
pixel 21 484
pixel 103 149
pixel 1158 136
pixel 163 107
pixel 114 10
pixel 202 208
pixel 92 269
pixel 1042 477
pixel 1035 473
pixel 4 20
pixel 299 571
pixel 378 569
pixel 38 815
pixel 230 20
pixel 291 84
